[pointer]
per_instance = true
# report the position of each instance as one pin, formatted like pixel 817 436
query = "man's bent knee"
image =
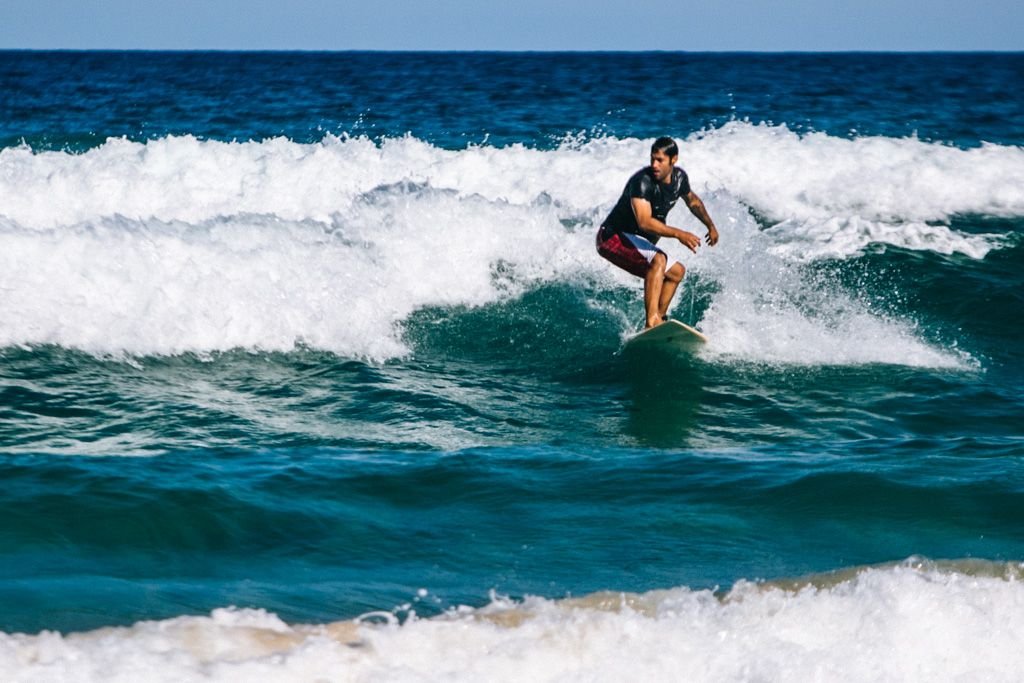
pixel 675 273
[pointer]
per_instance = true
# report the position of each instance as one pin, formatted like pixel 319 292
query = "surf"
pixel 180 245
pixel 940 621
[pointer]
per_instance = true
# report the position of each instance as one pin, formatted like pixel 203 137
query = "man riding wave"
pixel 629 235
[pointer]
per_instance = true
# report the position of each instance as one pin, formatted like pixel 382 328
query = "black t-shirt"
pixel 661 196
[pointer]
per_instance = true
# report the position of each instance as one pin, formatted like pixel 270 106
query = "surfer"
pixel 629 234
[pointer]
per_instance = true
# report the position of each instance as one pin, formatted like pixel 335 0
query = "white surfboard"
pixel 671 334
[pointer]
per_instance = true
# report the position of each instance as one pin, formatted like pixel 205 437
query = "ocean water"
pixel 309 369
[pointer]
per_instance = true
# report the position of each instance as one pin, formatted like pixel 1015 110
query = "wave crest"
pixel 179 244
pixel 916 620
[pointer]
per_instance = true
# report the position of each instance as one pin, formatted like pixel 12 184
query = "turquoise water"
pixel 326 335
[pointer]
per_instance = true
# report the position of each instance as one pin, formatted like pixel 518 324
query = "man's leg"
pixel 653 286
pixel 638 256
pixel 673 277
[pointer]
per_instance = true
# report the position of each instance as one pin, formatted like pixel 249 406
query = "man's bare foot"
pixel 654 322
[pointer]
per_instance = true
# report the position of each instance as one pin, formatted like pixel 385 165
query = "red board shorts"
pixel 630 252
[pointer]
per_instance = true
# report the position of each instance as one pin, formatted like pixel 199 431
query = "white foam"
pixel 784 175
pixel 832 197
pixel 181 245
pixel 258 282
pixel 908 622
pixel 791 176
pixel 769 308
pixel 815 238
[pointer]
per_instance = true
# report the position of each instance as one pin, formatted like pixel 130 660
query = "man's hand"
pixel 688 240
pixel 712 238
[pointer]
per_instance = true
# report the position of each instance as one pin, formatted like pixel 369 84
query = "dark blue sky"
pixel 521 25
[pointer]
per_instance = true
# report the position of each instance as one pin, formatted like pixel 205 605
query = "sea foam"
pixel 781 174
pixel 913 621
pixel 177 244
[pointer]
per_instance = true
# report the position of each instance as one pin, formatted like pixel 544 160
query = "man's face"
pixel 661 165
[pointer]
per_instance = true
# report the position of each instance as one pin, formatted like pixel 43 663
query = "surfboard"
pixel 671 334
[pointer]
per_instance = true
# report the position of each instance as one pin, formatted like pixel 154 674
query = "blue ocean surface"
pixel 309 369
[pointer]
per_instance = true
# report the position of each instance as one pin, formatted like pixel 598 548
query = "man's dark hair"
pixel 666 145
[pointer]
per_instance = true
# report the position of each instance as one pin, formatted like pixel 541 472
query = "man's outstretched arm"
pixel 696 207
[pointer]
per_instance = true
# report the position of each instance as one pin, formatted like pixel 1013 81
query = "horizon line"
pixel 510 51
